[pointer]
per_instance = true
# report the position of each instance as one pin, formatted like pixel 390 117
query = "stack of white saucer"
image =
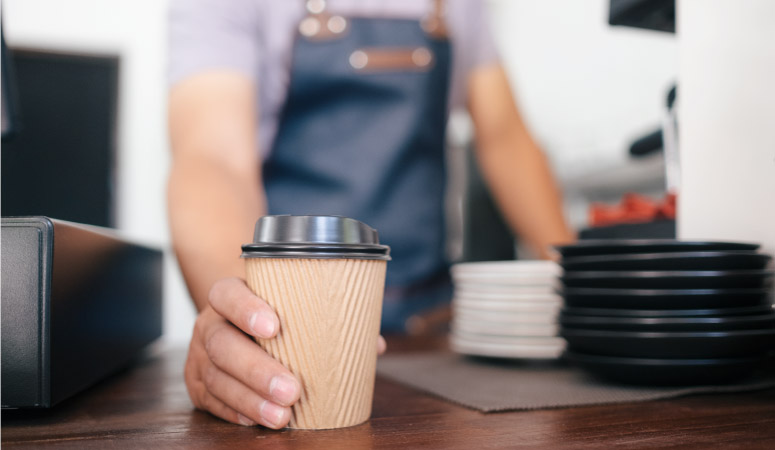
pixel 506 309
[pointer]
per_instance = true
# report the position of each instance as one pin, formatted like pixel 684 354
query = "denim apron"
pixel 362 135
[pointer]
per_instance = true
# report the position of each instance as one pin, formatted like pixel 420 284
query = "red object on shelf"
pixel 634 208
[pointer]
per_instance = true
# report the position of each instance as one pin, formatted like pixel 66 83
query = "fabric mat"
pixel 491 385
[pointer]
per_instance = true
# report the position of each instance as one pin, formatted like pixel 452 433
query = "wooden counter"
pixel 147 407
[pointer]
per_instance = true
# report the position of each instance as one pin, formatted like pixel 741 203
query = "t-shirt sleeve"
pixel 482 46
pixel 212 34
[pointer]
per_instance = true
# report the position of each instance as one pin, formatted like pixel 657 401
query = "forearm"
pixel 514 167
pixel 523 186
pixel 212 212
pixel 214 191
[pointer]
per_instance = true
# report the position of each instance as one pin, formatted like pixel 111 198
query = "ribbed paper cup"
pixel 329 304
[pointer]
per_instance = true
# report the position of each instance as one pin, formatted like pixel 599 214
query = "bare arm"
pixel 214 198
pixel 214 192
pixel 516 170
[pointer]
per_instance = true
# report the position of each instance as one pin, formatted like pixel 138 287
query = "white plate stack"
pixel 507 309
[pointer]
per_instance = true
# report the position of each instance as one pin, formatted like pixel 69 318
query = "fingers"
pixel 219 409
pixel 250 406
pixel 197 390
pixel 231 376
pixel 232 299
pixel 235 354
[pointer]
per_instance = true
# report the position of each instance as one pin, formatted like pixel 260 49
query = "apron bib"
pixel 362 135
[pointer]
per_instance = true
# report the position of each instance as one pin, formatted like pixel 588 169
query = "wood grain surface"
pixel 147 407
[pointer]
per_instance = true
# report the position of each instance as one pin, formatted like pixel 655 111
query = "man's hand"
pixel 227 373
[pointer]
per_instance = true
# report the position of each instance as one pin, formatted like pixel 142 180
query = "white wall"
pixel 136 31
pixel 727 120
pixel 584 87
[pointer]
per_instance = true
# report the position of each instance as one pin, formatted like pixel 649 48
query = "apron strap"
pixel 434 24
pixel 320 25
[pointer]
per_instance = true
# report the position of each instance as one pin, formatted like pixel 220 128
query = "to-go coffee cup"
pixel 325 278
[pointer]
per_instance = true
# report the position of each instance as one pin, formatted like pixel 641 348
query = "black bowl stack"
pixel 667 312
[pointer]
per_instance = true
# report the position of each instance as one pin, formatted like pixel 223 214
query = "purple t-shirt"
pixel 255 37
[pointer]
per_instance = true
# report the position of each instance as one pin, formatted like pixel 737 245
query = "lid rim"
pixel 314 237
pixel 316 256
pixel 319 248
pixel 317 251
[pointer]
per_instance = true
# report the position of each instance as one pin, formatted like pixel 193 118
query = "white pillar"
pixel 726 93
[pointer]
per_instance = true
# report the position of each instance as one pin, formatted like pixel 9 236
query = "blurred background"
pixel 587 90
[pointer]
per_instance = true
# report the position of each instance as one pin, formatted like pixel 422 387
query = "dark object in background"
pixel 486 237
pixel 656 15
pixel 647 144
pixel 62 162
pixel 658 229
pixel 78 303
pixel 654 141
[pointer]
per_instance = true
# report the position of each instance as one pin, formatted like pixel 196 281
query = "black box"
pixel 78 303
pixel 658 229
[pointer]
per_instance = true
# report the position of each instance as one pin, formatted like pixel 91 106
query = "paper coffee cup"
pixel 325 278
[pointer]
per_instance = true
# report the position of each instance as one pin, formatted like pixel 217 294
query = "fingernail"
pixel 272 413
pixel 245 421
pixel 284 389
pixel 262 324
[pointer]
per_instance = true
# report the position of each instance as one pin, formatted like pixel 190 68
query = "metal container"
pixel 286 236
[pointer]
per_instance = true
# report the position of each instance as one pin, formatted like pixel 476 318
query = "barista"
pixel 340 108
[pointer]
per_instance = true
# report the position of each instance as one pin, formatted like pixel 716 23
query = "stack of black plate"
pixel 666 311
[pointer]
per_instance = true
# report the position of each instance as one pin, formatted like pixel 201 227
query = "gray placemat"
pixel 492 385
